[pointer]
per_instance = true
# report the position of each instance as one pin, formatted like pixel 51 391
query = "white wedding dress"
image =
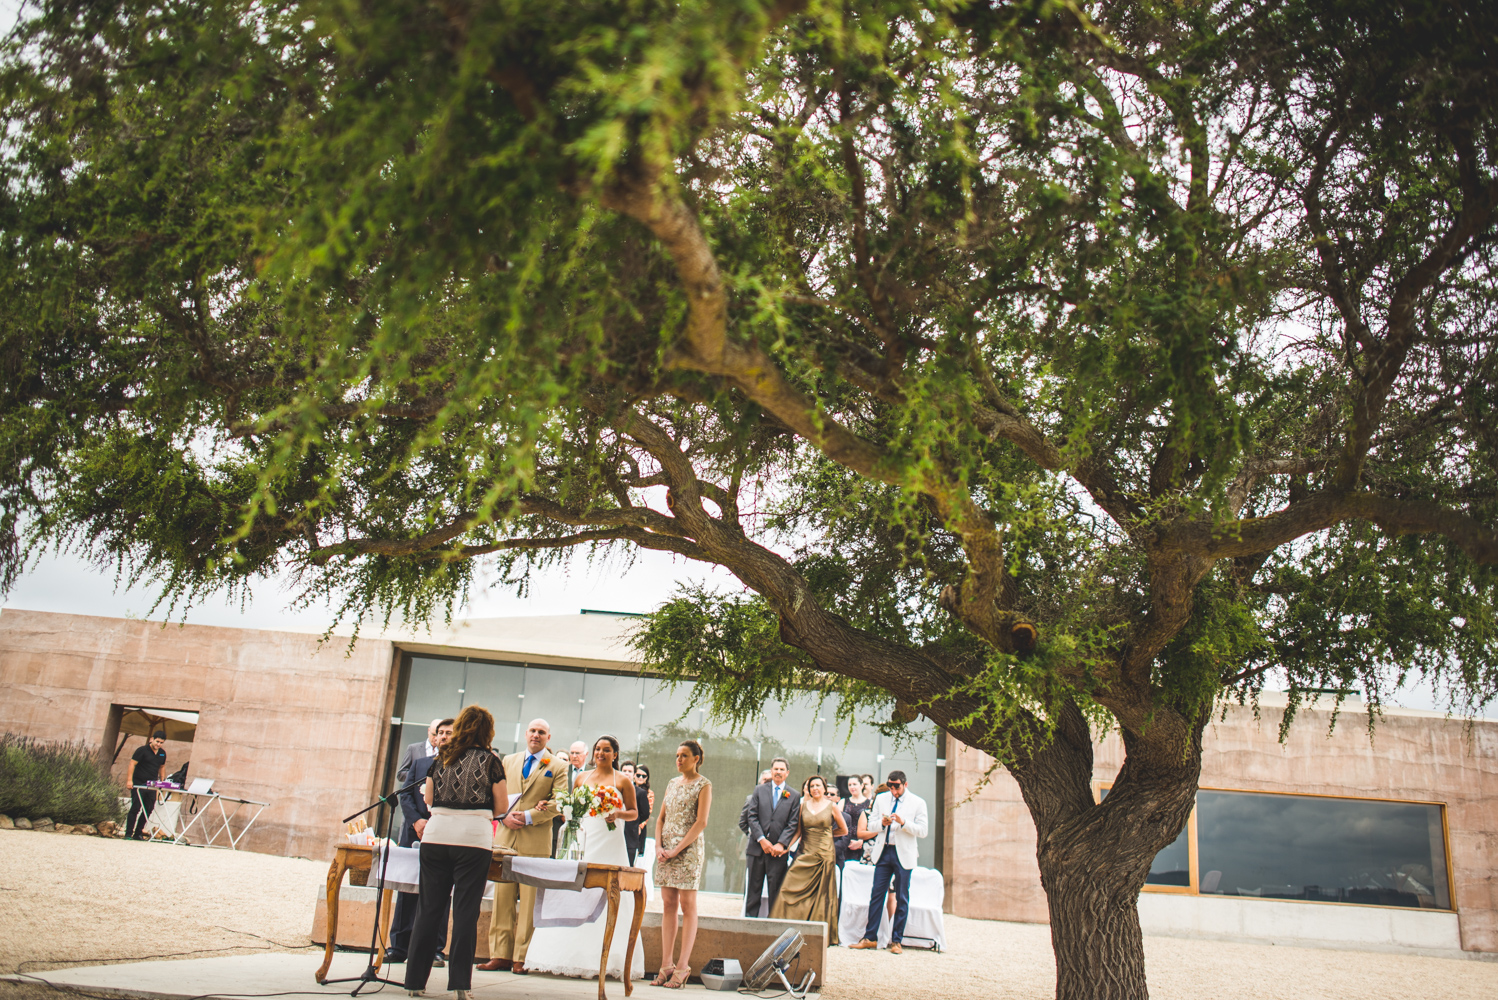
pixel 574 951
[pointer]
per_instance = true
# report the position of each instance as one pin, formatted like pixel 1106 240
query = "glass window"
pixel 435 690
pixel 497 687
pixel 1172 866
pixel 1323 849
pixel 651 719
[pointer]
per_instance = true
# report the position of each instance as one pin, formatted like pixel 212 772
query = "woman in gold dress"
pixel 809 891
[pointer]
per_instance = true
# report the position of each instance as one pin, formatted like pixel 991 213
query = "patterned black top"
pixel 469 782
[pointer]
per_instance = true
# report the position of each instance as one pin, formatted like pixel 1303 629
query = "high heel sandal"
pixel 675 983
pixel 662 976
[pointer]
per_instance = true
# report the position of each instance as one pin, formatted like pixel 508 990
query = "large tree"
pixel 1038 367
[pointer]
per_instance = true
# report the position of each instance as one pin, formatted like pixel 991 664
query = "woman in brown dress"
pixel 809 891
pixel 678 861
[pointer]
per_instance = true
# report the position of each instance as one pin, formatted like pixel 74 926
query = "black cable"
pixel 75 991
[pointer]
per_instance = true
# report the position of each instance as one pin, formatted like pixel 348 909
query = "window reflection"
pixel 1322 849
pixel 650 719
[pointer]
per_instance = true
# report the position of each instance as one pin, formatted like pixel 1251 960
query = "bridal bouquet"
pixel 588 800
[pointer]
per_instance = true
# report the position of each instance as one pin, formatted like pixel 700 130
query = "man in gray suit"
pixel 416 751
pixel 774 814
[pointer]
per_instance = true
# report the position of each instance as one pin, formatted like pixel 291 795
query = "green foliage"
pixel 365 293
pixel 62 780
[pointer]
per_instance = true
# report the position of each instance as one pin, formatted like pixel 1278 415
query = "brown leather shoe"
pixel 865 943
pixel 519 969
pixel 496 965
pixel 894 948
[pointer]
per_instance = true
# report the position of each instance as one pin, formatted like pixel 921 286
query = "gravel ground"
pixel 68 900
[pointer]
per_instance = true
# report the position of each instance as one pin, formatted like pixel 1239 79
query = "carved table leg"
pixel 634 936
pixel 608 933
pixel 335 880
pixel 382 939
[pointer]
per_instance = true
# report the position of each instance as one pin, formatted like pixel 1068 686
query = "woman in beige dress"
pixel 678 861
pixel 809 891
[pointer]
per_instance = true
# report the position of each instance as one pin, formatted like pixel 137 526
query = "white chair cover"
pixel 924 926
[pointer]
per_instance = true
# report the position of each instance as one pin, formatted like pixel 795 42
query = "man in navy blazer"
pixel 415 812
pixel 774 815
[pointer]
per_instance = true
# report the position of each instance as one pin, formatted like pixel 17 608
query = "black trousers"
pixel 764 868
pixel 458 873
pixel 141 804
pixel 404 922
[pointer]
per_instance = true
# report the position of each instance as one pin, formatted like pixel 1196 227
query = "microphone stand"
pixel 371 973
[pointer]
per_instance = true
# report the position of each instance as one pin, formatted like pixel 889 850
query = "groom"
pixel 533 775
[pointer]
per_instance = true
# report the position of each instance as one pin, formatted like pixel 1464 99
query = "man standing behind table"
pixel 764 776
pixel 899 815
pixel 415 812
pixel 536 777
pixel 148 763
pixel 774 817
pixel 416 751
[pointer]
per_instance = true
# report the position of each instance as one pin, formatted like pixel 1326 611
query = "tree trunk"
pixel 1094 858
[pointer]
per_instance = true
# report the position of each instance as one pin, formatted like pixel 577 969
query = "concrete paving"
pixel 291 974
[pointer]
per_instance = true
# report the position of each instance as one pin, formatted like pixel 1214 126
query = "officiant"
pixel 537 777
pixel 414 813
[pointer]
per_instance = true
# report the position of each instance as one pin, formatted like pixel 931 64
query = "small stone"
pixel 62 828
pixel 108 828
pixel 22 823
pixel 6 823
pixel 87 829
pixel 45 823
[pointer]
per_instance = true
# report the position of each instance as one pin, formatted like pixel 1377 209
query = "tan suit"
pixel 515 905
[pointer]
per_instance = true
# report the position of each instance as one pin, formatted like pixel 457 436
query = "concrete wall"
pixel 281 718
pixel 1413 755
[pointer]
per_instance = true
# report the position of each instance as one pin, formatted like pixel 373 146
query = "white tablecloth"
pixel 402 872
pixel 924 926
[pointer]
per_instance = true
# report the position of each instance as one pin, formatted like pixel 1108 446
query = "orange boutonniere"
pixel 785 793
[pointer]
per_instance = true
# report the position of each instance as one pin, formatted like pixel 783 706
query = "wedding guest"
pixel 634 833
pixel 415 815
pixel 416 751
pixel 849 846
pixel 148 763
pixel 774 816
pixel 764 776
pixel 810 888
pixel 899 818
pixel 678 861
pixel 538 777
pixel 465 791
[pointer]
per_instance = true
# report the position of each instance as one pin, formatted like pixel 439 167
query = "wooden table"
pixel 612 879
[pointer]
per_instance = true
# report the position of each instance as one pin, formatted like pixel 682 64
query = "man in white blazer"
pixel 899 816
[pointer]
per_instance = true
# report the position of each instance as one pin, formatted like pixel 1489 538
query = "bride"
pixel 574 951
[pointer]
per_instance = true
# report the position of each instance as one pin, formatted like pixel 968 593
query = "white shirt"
pixel 911 809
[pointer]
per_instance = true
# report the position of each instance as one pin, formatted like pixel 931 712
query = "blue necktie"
pixel 525 772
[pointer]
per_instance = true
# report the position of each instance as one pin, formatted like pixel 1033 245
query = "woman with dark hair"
pixel 465 791
pixel 573 950
pixel 848 847
pixel 809 891
pixel 634 832
pixel 678 861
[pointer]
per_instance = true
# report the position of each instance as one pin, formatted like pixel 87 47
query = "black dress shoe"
pixel 395 958
pixel 440 961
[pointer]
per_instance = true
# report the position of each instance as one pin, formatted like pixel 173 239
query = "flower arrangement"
pixel 589 800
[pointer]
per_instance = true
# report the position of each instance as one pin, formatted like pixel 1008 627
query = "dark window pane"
pixel 1331 850
pixel 1172 866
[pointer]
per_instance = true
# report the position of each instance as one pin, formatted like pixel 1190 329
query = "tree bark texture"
pixel 1094 857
